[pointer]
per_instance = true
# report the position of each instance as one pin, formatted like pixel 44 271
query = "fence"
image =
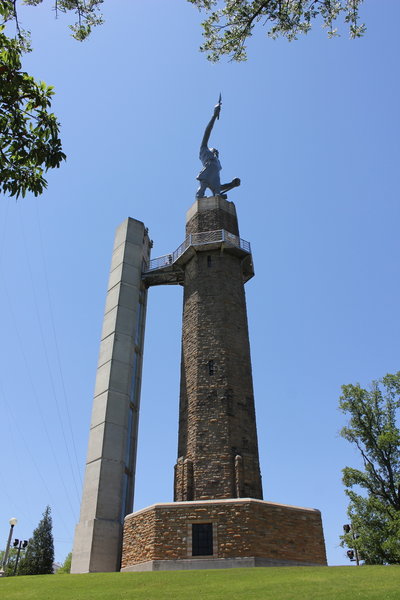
pixel 198 239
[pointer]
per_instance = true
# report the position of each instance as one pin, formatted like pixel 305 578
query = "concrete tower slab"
pixel 111 459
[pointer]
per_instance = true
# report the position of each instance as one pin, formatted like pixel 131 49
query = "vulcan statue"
pixel 209 175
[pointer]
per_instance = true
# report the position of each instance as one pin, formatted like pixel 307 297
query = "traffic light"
pixel 350 554
pixel 16 542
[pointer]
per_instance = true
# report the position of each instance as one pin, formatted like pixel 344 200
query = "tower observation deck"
pixel 169 268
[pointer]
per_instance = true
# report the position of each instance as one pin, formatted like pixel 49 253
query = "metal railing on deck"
pixel 197 239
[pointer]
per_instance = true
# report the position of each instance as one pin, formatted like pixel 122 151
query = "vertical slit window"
pixel 208 261
pixel 138 333
pixel 211 368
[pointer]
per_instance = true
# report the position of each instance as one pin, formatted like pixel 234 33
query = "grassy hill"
pixel 274 583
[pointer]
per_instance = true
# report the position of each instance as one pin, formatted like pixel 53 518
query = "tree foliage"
pixel 30 142
pixel 227 29
pixel 12 557
pixel 66 566
pixel 86 11
pixel 29 133
pixel 39 555
pixel 373 428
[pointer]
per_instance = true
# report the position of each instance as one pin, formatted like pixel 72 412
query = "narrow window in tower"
pixel 211 368
pixel 208 261
pixel 202 539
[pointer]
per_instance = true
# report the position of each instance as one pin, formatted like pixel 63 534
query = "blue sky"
pixel 312 129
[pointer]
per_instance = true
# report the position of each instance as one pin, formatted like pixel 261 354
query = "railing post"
pixel 223 235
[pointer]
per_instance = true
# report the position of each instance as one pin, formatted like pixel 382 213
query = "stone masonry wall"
pixel 217 449
pixel 241 528
pixel 213 214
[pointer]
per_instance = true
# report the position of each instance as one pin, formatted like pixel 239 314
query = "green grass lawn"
pixel 275 583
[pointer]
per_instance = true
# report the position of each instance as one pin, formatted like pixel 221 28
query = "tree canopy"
pixel 374 492
pixel 228 27
pixel 39 555
pixel 12 557
pixel 66 566
pixel 30 141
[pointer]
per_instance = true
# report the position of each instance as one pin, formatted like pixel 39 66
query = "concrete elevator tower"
pixel 111 459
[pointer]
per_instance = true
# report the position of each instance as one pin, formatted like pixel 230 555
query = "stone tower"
pixel 217 448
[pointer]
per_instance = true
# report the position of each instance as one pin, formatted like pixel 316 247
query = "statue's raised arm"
pixel 207 133
pixel 209 175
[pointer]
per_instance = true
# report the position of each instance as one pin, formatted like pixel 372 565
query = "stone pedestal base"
pixel 245 533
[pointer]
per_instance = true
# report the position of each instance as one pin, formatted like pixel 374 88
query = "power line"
pixel 35 395
pixel 46 354
pixel 22 439
pixel 59 363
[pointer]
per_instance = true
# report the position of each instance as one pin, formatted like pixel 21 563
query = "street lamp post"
pixel 12 522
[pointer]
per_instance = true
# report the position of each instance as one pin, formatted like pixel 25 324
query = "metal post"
pixel 22 544
pixel 13 522
pixel 355 548
pixel 347 529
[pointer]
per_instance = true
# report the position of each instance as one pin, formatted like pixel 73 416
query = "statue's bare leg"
pixel 201 192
